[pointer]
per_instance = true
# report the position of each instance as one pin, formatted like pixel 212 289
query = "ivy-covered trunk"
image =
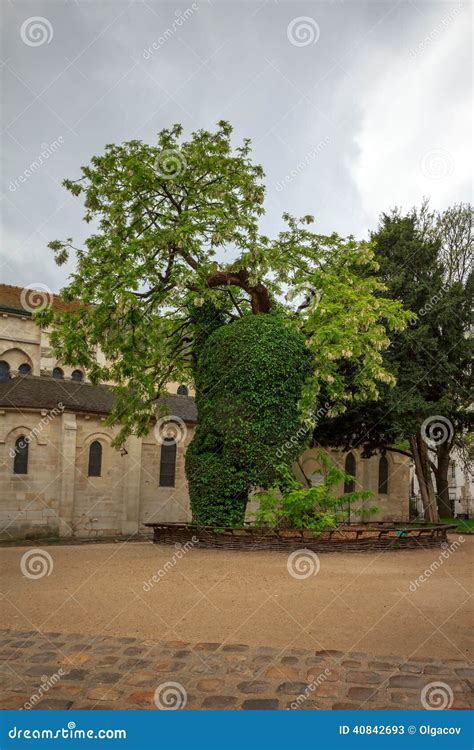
pixel 249 376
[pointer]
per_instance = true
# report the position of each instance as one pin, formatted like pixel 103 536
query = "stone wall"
pixel 58 498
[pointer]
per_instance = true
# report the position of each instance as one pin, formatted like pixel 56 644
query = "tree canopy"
pixel 175 225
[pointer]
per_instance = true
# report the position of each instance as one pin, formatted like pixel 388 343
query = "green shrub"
pixel 288 504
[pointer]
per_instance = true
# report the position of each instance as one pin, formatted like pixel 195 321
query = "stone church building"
pixel 60 476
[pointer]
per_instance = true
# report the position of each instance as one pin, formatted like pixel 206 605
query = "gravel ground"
pixel 356 602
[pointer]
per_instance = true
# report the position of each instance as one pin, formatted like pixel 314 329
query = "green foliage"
pixel 249 378
pixel 175 226
pixel 287 504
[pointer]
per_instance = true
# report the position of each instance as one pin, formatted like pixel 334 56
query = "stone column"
pixel 68 472
pixel 131 488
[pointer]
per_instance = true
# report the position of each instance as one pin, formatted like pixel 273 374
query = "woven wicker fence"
pixel 356 538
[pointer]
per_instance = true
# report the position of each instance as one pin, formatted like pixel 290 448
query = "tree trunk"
pixel 442 482
pixel 259 296
pixel 423 473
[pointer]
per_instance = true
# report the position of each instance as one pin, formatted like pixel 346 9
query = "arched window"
pixel 4 371
pixel 95 459
pixel 24 369
pixel 77 375
pixel 58 373
pixel 182 390
pixel 20 461
pixel 168 464
pixel 350 468
pixel 383 475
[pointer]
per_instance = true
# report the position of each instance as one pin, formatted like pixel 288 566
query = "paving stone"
pixel 108 677
pixel 44 669
pixel 217 702
pixel 210 685
pixel 254 687
pixel 53 704
pixel 293 688
pixel 361 694
pixel 465 673
pixel 262 704
pixel 364 678
pixel 103 693
pixel 106 672
pixel 141 678
pixel 384 665
pixel 75 659
pixel 406 681
pixel 163 666
pixel 289 660
pixel 414 668
pixel 143 697
pixel 282 673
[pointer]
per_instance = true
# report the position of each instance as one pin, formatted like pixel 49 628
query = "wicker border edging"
pixel 356 538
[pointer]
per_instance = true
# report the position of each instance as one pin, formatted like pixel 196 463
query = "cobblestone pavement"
pixel 64 671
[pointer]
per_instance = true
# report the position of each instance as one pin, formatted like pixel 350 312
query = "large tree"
pixel 424 262
pixel 176 228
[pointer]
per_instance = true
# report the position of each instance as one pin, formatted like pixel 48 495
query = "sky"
pixel 353 107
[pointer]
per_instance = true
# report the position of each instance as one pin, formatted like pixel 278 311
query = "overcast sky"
pixel 352 107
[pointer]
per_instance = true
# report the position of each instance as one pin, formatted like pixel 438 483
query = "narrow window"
pixel 383 475
pixel 95 459
pixel 182 390
pixel 4 371
pixel 24 369
pixel 453 469
pixel 350 468
pixel 20 462
pixel 58 373
pixel 168 464
pixel 77 375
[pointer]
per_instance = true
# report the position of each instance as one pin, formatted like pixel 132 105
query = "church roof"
pixel 19 299
pixel 32 392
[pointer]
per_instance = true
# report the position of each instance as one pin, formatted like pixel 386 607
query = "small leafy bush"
pixel 288 504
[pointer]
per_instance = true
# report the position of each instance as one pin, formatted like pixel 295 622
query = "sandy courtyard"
pixel 356 602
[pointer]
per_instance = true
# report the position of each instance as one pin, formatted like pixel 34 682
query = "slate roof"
pixel 32 392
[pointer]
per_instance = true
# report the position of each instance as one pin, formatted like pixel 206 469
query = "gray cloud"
pixel 359 107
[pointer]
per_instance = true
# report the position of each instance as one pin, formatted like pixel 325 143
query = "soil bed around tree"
pixel 357 537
